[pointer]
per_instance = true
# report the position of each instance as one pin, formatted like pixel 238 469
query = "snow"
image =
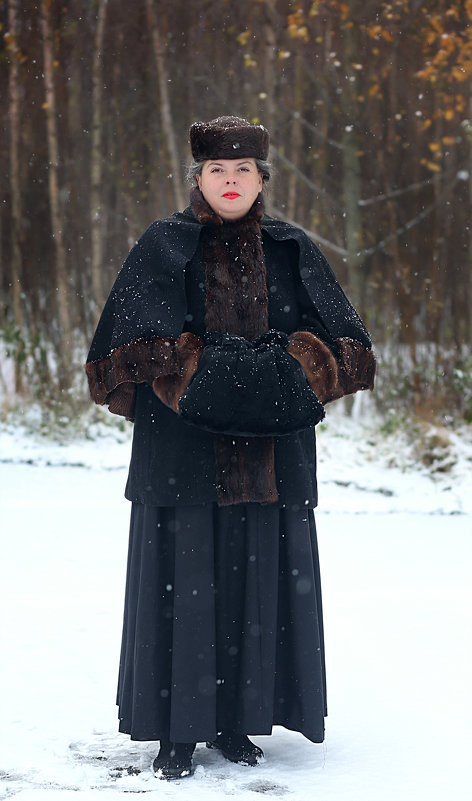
pixel 394 528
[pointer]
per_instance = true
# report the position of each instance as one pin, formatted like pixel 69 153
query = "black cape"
pixel 148 297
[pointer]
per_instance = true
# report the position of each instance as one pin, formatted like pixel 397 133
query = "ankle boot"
pixel 174 760
pixel 237 748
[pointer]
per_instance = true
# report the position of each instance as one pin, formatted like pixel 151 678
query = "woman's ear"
pixel 198 181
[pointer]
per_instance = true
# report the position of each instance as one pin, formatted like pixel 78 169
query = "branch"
pixel 325 242
pixel 421 216
pixel 291 166
pixel 384 242
pixel 397 192
pixel 297 116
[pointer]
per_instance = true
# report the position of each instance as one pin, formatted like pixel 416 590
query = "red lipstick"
pixel 231 195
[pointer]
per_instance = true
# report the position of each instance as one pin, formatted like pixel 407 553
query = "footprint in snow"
pixel 267 787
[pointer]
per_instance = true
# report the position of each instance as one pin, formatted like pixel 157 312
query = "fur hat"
pixel 228 138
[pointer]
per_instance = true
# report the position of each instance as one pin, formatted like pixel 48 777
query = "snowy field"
pixel 395 534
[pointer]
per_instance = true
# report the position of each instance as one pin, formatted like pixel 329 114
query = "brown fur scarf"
pixel 236 303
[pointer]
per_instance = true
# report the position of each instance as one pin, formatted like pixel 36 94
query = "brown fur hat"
pixel 228 138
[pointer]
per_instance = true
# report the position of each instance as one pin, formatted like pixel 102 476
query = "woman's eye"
pixel 215 169
pixel 244 169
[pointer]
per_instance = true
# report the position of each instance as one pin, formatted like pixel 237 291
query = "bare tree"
pixel 62 287
pixel 165 107
pixel 16 267
pixel 96 160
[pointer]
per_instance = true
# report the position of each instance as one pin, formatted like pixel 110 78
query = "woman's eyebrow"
pixel 218 163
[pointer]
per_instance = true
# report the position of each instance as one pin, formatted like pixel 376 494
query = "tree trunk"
pixel 352 195
pixel 295 145
pixel 62 289
pixel 166 114
pixel 352 173
pixel 16 269
pixel 270 50
pixel 96 217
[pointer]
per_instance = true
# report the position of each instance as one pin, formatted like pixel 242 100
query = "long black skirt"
pixel 223 624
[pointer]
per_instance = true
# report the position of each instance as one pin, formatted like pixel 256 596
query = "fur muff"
pixel 317 361
pixel 246 388
pixel 228 138
pixel 169 388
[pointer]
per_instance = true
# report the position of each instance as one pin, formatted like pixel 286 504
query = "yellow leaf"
pixel 243 37
pixel 449 140
pixel 249 61
pixel 449 114
pixel 45 105
pixel 374 31
pixel 432 166
pixel 460 74
pixel 434 146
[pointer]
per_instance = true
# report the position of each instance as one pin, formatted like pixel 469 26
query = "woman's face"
pixel 230 186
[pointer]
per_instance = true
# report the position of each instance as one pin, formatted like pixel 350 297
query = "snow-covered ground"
pixel 395 533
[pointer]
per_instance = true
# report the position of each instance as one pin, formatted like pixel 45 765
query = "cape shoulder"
pixel 337 312
pixel 180 234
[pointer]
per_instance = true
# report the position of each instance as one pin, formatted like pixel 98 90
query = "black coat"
pixel 161 291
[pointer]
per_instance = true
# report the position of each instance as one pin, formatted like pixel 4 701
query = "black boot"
pixel 174 760
pixel 237 748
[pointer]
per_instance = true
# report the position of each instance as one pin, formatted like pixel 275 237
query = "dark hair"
pixel 195 168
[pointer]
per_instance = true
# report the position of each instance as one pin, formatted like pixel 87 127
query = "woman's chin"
pixel 232 212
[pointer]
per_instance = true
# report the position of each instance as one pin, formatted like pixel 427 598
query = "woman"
pixel 222 338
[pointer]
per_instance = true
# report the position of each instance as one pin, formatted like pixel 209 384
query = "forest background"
pixel 369 106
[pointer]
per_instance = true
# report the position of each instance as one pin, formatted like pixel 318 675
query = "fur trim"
pixel 169 388
pixel 236 286
pixel 317 361
pixel 332 378
pixel 141 360
pixel 235 277
pixel 228 138
pixel 245 470
pixel 356 367
pixel 122 400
